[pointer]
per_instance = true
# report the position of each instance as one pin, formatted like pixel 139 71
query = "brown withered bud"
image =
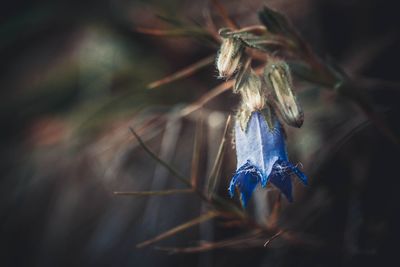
pixel 278 78
pixel 229 57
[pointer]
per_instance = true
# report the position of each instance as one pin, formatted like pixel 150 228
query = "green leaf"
pixel 303 71
pixel 275 22
pixel 267 42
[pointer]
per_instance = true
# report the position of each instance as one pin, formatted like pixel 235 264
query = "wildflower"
pixel 278 78
pixel 262 157
pixel 229 56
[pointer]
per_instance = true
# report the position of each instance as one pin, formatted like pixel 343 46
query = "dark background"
pixel 72 79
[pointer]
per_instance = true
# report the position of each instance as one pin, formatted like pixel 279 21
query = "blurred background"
pixel 74 77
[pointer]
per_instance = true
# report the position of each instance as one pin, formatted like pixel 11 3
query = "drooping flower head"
pixel 260 143
pixel 262 158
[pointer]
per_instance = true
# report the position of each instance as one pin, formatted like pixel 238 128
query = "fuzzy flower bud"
pixel 253 96
pixel 229 55
pixel 249 85
pixel 278 78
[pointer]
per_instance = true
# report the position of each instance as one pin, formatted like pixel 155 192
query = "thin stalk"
pixel 153 193
pixel 187 71
pixel 215 171
pixel 172 170
pixel 175 230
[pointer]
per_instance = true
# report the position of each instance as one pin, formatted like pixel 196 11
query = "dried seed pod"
pixel 278 78
pixel 229 57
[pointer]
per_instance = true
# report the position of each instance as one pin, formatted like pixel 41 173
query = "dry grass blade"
pixel 216 91
pixel 209 23
pixel 228 206
pixel 189 70
pixel 172 32
pixel 153 193
pixel 272 221
pixel 198 143
pixel 243 241
pixel 224 14
pixel 155 32
pixel 163 163
pixel 205 217
pixel 253 28
pixel 216 169
pixel 273 237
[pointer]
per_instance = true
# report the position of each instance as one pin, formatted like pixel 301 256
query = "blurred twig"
pixel 180 32
pixel 224 14
pixel 205 217
pixel 214 92
pixel 153 193
pixel 187 71
pixel 273 237
pixel 163 163
pixel 216 169
pixel 237 242
pixel 198 141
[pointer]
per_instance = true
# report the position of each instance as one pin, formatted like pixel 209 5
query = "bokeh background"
pixel 74 78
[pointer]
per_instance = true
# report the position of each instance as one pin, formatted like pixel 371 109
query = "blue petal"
pixel 260 144
pixel 262 157
pixel 300 174
pixel 281 177
pixel 284 184
pixel 245 179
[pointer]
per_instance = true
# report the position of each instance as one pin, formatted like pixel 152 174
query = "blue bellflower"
pixel 262 157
